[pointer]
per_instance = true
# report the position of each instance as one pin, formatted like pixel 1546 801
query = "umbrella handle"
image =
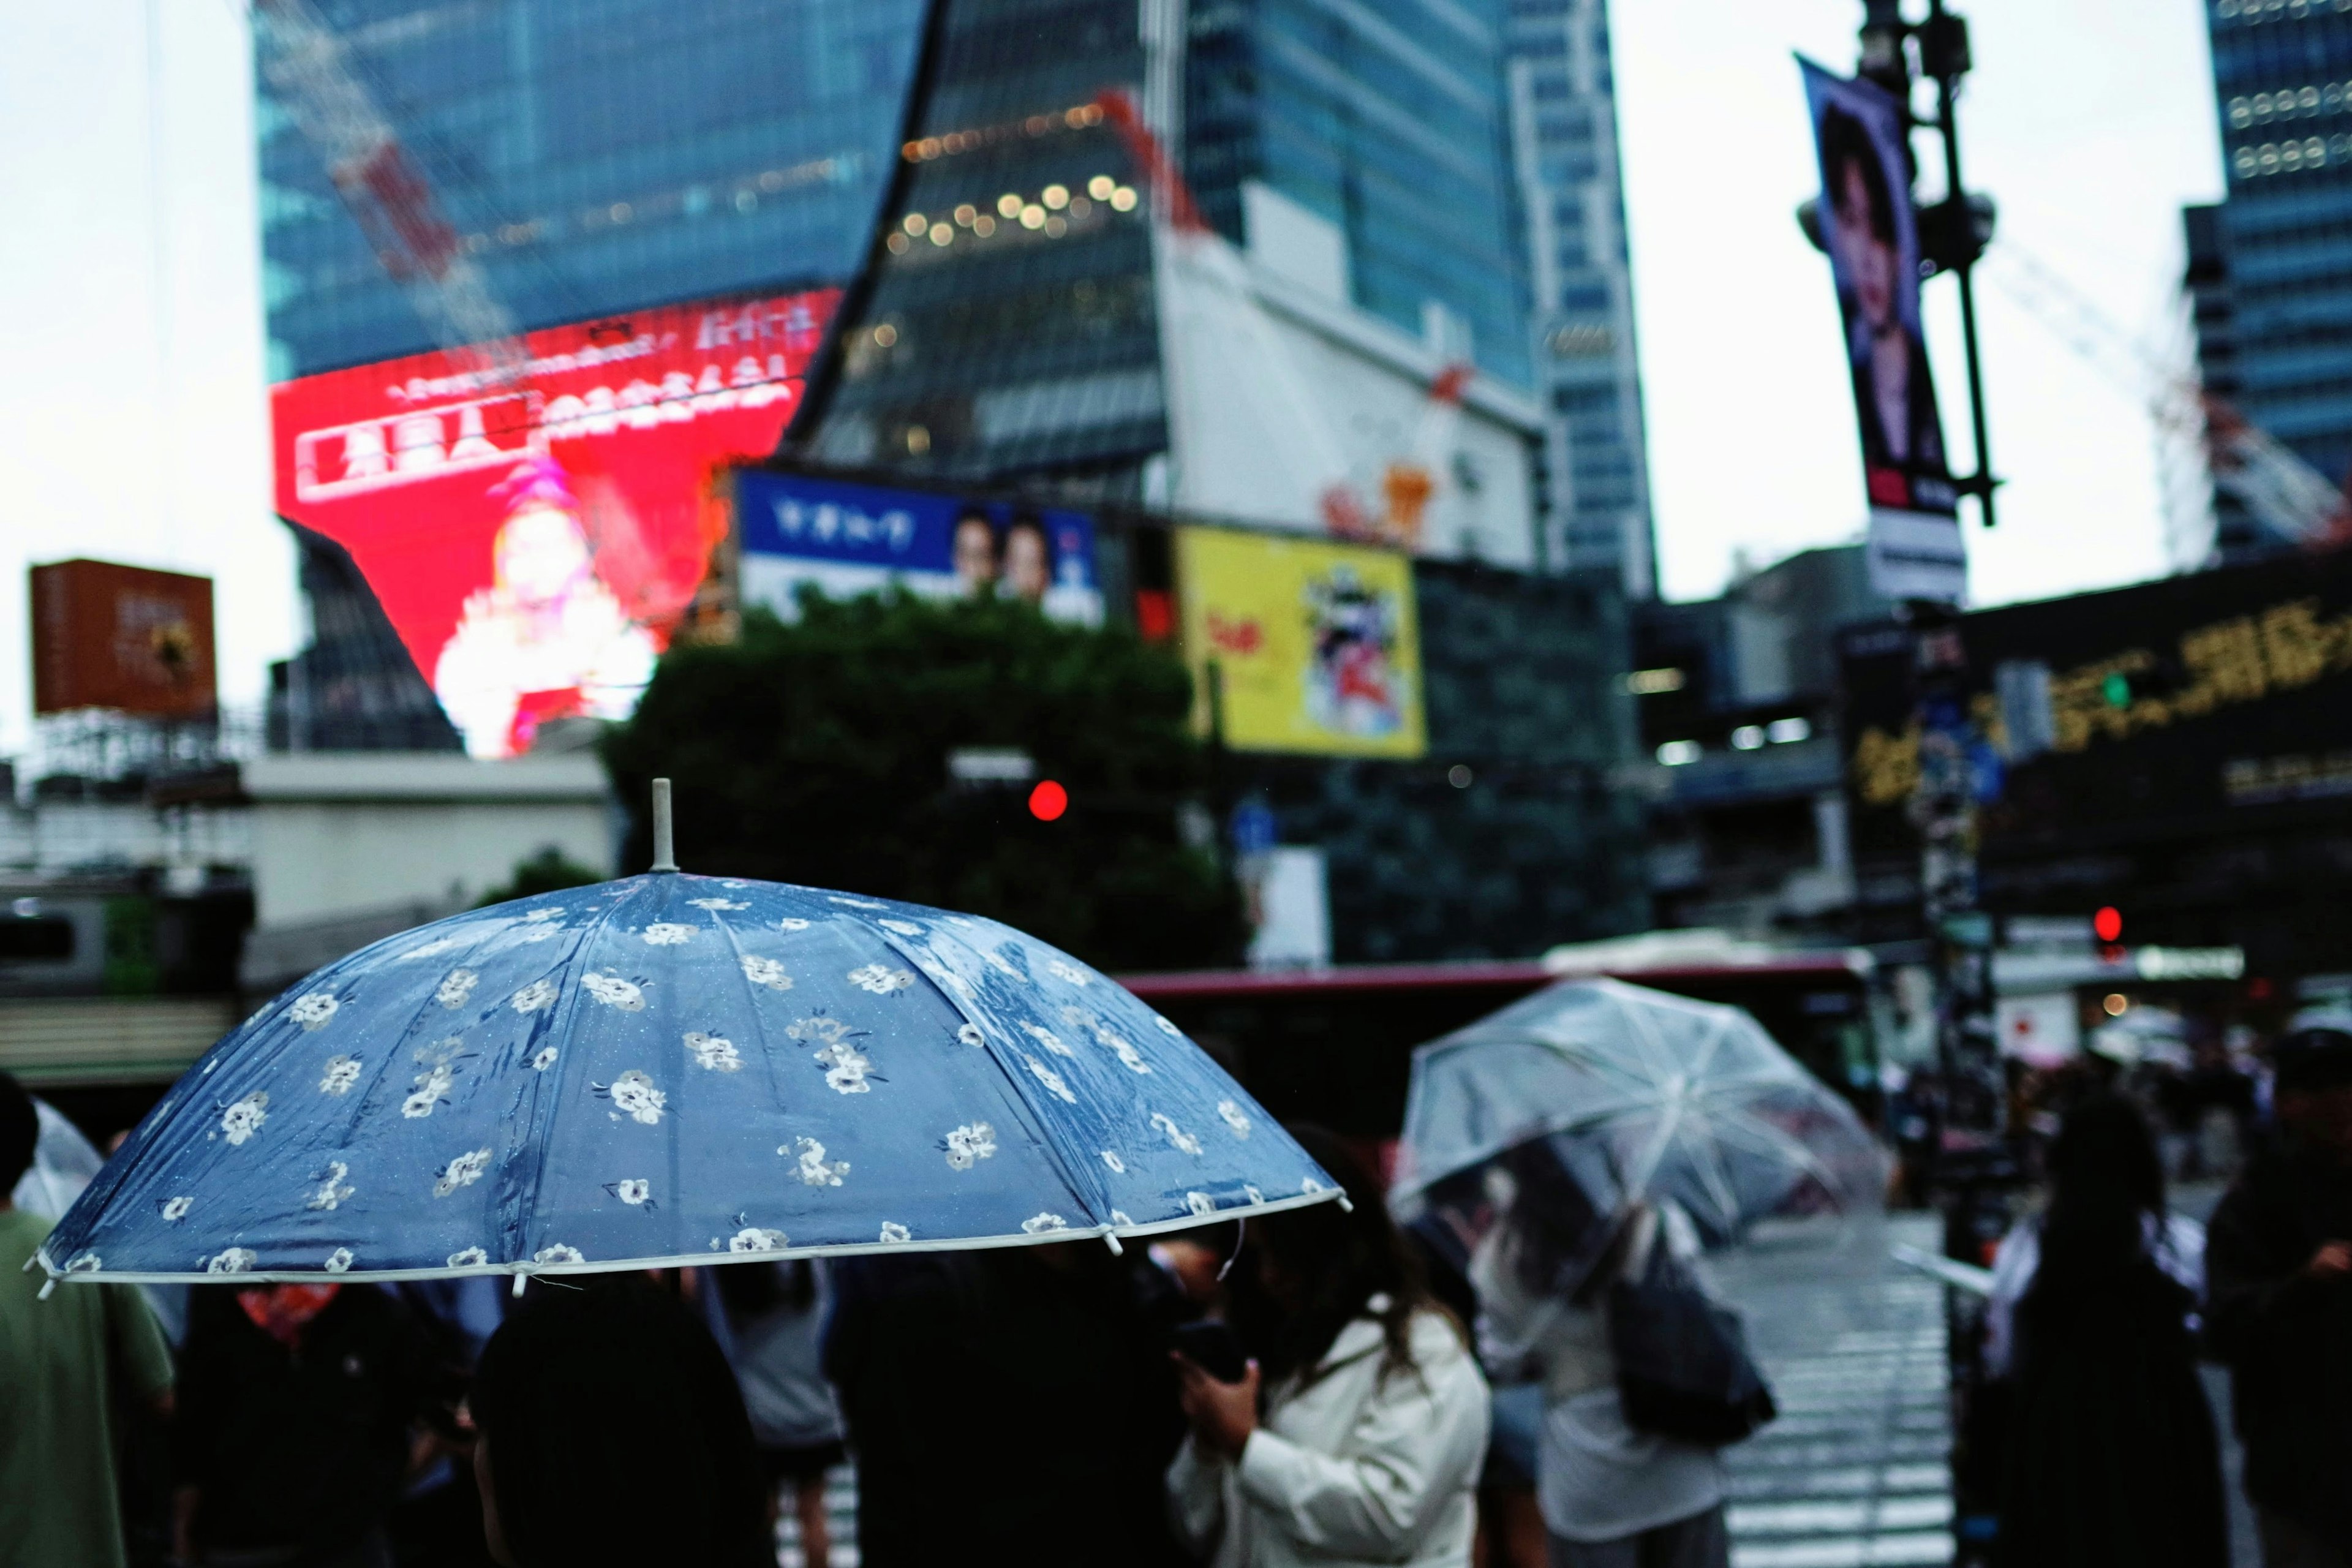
pixel 665 846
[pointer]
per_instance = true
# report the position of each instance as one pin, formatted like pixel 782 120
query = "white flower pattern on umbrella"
pixel 717 904
pixel 541 915
pixel 472 1258
pixel 87 1263
pixel 635 1093
pixel 455 987
pixel 462 1172
pixel 1110 1157
pixel 615 992
pixel 1040 1224
pixel 434 949
pixel 815 1170
pixel 557 1253
pixel 432 1089
pixel 333 1190
pixel 231 1260
pixel 544 1060
pixel 788 924
pixel 969 1034
pixel 1050 1079
pixel 1201 1204
pixel 997 961
pixel 767 972
pixel 1068 973
pixel 847 1071
pixel 714 1053
pixel 1182 1140
pixel 894 1233
pixel 634 1192
pixel 1047 1038
pixel 538 933
pixel 1128 1056
pixel 664 934
pixel 1253 1194
pixel 904 928
pixel 880 979
pixel 1170 1030
pixel 970 1144
pixel 177 1208
pixel 338 1260
pixel 243 1119
pixel 313 1011
pixel 341 1073
pixel 947 979
pixel 752 1238
pixel 532 998
pixel 1119 1217
pixel 1235 1117
pixel 856 903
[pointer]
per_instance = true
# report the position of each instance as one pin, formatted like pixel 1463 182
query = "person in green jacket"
pixel 64 1365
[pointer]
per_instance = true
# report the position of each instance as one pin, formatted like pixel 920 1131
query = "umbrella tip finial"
pixel 665 847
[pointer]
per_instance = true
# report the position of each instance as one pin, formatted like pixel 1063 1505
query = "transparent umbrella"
pixel 1628 1094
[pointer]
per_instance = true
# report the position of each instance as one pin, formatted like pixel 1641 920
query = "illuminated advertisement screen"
pixel 844 539
pixel 535 543
pixel 1317 646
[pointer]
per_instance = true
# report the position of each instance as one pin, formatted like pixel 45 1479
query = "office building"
pixel 1043 311
pixel 1564 110
pixel 594 156
pixel 2270 268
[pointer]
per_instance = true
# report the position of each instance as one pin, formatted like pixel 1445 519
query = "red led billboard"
pixel 534 544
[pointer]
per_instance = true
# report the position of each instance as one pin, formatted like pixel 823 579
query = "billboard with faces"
pixel 843 538
pixel 1871 234
pixel 535 543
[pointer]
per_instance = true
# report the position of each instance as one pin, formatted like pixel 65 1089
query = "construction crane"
pixel 308 65
pixel 2286 495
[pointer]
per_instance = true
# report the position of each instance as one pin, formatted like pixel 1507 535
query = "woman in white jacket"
pixel 1374 1424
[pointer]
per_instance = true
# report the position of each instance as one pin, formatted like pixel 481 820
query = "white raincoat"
pixel 1356 1463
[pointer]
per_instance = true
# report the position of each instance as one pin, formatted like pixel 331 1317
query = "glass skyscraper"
pixel 1565 108
pixel 1012 329
pixel 2271 268
pixel 595 156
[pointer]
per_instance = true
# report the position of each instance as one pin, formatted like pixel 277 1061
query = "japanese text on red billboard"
pixel 534 544
pixel 1872 236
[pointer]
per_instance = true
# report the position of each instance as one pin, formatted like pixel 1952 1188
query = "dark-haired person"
pixel 1374 1422
pixel 2278 1287
pixel 2111 1457
pixel 611 1436
pixel 66 1365
pixel 1893 392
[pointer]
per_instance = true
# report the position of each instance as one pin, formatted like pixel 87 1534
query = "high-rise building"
pixel 595 156
pixel 1034 316
pixel 1565 115
pixel 2269 273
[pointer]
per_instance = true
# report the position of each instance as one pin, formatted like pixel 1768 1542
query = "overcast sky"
pixel 136 418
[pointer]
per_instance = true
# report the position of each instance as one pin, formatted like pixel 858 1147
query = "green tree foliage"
pixel 817 753
pixel 545 872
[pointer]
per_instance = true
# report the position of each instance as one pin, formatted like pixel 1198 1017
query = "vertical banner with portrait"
pixel 1317 647
pixel 842 539
pixel 1872 236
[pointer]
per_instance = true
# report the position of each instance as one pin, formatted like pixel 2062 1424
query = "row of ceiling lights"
pixel 1051 214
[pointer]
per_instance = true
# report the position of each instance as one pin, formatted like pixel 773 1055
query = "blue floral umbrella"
pixel 673 1069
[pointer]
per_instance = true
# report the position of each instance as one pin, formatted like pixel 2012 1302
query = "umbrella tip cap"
pixel 665 842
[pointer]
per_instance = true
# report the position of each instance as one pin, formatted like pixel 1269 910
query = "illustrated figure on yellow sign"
pixel 547 640
pixel 1351 680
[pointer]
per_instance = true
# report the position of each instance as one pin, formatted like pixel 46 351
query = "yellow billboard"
pixel 1316 645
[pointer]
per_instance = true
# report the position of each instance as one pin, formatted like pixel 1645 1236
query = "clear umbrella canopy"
pixel 1607 1093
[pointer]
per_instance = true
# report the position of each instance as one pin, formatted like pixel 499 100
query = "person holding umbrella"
pixel 1374 1421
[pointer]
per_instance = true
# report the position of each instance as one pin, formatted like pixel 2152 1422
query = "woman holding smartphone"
pixel 1360 1439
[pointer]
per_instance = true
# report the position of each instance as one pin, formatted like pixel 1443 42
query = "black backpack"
pixel 1683 1367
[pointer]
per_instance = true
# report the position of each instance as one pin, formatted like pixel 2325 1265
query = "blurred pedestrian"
pixel 770 1320
pixel 1368 1444
pixel 68 1367
pixel 610 1434
pixel 438 1521
pixel 2111 1453
pixel 1013 1405
pixel 292 1441
pixel 2278 1267
pixel 1610 1495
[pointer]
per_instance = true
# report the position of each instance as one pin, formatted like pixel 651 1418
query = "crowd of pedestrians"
pixel 1322 1387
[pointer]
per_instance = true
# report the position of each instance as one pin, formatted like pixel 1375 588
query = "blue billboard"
pixel 844 539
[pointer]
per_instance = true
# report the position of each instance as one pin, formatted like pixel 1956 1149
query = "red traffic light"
pixel 2107 925
pixel 1048 801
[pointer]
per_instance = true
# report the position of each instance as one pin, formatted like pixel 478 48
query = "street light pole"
pixel 1944 55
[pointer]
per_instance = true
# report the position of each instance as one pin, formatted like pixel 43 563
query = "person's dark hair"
pixel 1846 140
pixel 2107 1184
pixel 1341 1259
pixel 616 1434
pixel 20 1133
pixel 751 1290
